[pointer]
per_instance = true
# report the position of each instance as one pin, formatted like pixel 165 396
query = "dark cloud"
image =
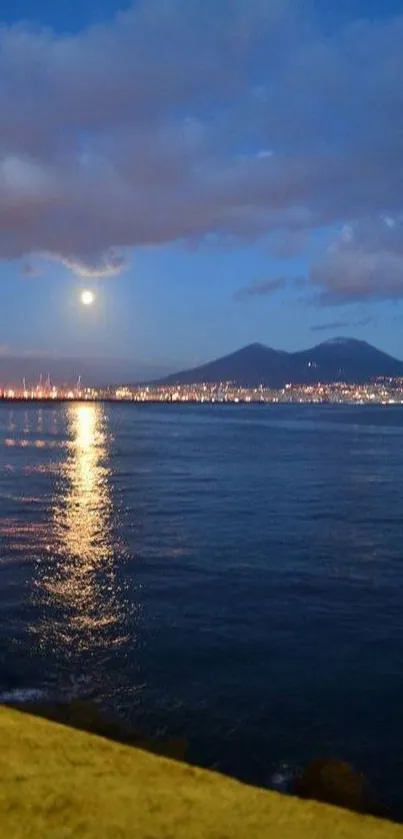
pixel 334 324
pixel 192 121
pixel 258 289
pixel 30 271
pixel 341 324
pixel 267 287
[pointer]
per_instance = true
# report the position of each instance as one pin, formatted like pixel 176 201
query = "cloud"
pixel 356 275
pixel 262 288
pixel 364 262
pixel 334 324
pixel 267 287
pixel 341 324
pixel 109 264
pixel 30 271
pixel 192 122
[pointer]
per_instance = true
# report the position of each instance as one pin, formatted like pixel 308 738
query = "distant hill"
pixel 340 359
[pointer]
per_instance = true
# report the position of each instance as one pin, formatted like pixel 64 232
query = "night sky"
pixel 218 172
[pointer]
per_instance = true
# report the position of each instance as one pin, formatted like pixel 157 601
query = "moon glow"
pixel 87 298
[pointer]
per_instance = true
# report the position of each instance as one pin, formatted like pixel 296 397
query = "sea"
pixel 232 574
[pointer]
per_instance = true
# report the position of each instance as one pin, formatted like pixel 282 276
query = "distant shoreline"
pixel 210 402
pixel 111 400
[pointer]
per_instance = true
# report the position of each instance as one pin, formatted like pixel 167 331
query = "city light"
pixel 382 391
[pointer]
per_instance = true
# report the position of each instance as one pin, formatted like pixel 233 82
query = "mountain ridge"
pixel 337 359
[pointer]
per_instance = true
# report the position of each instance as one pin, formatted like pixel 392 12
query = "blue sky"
pixel 218 174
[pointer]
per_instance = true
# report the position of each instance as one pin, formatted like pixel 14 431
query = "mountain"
pixel 344 359
pixel 250 366
pixel 339 359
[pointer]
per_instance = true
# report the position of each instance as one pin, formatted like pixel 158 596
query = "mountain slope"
pixel 343 359
pixel 249 367
pixel 340 359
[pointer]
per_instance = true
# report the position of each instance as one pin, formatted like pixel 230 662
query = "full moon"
pixel 87 298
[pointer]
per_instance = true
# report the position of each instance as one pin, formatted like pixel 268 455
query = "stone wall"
pixel 60 783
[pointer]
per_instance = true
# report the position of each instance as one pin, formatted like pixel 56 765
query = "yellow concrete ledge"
pixel 59 783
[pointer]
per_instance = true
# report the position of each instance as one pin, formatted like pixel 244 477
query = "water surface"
pixel 231 573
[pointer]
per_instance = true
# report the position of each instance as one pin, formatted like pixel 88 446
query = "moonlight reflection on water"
pixel 78 584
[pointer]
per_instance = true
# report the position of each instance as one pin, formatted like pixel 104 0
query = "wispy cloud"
pixel 342 324
pixel 267 287
pixel 333 324
pixel 259 289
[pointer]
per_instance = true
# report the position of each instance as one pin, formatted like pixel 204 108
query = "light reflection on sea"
pixel 78 584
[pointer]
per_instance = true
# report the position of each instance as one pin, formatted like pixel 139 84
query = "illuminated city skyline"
pixel 382 392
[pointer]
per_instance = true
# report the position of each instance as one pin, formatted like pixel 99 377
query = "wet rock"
pixel 335 782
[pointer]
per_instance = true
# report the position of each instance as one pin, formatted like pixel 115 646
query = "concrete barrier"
pixel 60 783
